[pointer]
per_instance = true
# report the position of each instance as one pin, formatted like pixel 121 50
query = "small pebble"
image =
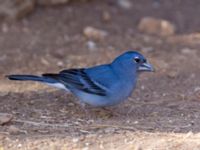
pixel 85 148
pixel 172 74
pixel 13 130
pixel 142 87
pixel 196 89
pixel 106 16
pixel 75 140
pixel 4 28
pixel 94 33
pixel 4 93
pixel 60 64
pixel 109 130
pixel 125 4
pixel 156 26
pixel 5 118
pixel 87 144
pixel 70 104
pixel 91 45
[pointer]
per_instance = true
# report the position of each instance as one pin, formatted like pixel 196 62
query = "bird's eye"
pixel 137 60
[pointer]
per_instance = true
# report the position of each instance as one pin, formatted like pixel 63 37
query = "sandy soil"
pixel 162 113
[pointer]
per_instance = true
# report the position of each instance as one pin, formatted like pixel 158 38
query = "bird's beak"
pixel 146 67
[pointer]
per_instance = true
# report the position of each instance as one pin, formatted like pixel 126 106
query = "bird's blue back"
pixel 101 74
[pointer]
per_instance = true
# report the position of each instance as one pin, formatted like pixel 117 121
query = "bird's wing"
pixel 103 75
pixel 78 79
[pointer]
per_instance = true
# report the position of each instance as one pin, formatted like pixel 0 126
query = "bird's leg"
pixel 85 109
pixel 109 112
pixel 103 112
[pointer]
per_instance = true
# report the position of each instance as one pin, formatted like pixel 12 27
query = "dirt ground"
pixel 163 111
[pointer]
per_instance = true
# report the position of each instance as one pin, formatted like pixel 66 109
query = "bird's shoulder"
pixel 103 75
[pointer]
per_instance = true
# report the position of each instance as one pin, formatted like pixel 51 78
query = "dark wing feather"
pixel 78 78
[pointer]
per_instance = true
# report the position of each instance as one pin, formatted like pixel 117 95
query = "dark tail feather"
pixel 50 75
pixel 32 78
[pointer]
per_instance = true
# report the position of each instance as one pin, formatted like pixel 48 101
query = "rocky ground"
pixel 162 113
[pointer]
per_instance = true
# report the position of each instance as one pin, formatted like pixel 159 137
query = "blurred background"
pixel 39 36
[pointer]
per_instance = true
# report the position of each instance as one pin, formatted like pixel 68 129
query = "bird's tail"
pixel 31 78
pixel 49 79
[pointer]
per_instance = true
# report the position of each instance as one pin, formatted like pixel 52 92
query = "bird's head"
pixel 135 60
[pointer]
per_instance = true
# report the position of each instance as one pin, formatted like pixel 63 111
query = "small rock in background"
pixel 173 74
pixel 5 118
pixel 91 45
pixel 186 51
pixel 94 33
pixel 71 104
pixel 2 94
pixel 4 28
pixel 189 51
pixel 110 130
pixel 60 64
pixel 125 4
pixel 106 16
pixel 13 130
pixel 15 9
pixel 51 2
pixel 2 137
pixel 75 140
pixel 155 26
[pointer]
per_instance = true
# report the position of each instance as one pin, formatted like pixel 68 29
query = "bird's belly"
pixel 108 100
pixel 93 100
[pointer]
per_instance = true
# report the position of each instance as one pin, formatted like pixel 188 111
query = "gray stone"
pixel 15 9
pixel 155 26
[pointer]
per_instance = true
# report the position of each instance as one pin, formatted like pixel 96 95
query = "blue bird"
pixel 99 86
